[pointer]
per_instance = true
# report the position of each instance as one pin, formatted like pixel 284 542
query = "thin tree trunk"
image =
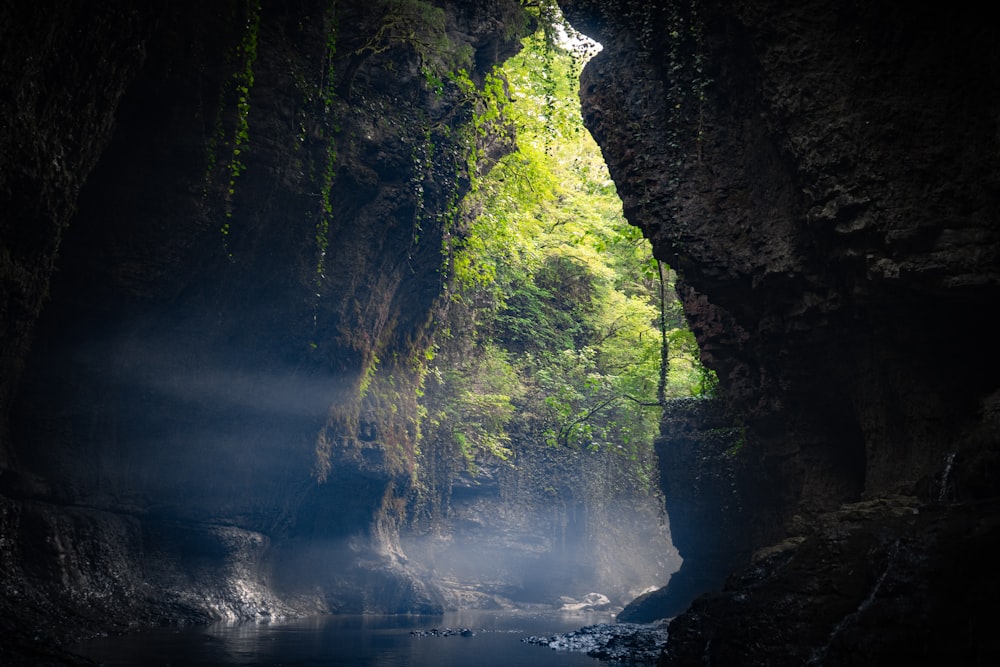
pixel 661 390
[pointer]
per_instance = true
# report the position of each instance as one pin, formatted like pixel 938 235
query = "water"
pixel 355 641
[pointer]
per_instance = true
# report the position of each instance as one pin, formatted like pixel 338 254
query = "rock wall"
pixel 249 206
pixel 698 453
pixel 823 176
pixel 63 70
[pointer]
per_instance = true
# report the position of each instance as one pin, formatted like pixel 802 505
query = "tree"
pixel 570 327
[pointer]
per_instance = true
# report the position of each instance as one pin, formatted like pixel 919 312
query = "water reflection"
pixel 364 641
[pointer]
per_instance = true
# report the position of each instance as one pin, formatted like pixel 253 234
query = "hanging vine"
pixel 328 96
pixel 238 88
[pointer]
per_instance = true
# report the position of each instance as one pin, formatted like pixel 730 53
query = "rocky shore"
pixel 619 642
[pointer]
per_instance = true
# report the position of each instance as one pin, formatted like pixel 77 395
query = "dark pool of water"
pixel 370 641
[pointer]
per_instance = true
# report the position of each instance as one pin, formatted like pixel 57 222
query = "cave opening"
pixel 563 337
pixel 270 336
pixel 305 354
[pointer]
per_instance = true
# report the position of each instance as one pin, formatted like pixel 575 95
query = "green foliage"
pixel 473 418
pixel 236 91
pixel 243 79
pixel 328 95
pixel 557 298
pixel 421 26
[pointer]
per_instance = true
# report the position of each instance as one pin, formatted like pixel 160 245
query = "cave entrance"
pixel 544 398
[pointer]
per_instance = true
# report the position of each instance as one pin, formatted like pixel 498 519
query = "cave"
pixel 222 226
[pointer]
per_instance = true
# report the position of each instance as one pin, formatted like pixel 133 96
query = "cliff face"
pixel 62 74
pixel 698 451
pixel 823 176
pixel 242 284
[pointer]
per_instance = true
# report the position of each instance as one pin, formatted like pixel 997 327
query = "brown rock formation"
pixel 824 177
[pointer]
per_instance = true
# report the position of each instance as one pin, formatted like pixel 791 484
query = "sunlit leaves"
pixel 560 293
pixel 475 404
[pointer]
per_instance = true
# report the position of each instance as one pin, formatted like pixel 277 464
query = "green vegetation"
pixel 445 128
pixel 559 327
pixel 560 321
pixel 419 25
pixel 244 80
pixel 329 127
pixel 238 88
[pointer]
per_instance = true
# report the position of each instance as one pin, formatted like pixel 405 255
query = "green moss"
pixel 238 88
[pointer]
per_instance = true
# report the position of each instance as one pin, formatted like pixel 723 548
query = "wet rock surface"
pixel 558 523
pixel 630 643
pixel 444 632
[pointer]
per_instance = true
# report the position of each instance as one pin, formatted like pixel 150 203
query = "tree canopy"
pixel 557 327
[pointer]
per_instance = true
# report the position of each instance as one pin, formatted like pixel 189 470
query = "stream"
pixel 496 639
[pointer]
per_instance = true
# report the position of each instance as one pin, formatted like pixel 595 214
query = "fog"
pixel 493 551
pixel 169 370
pixel 174 432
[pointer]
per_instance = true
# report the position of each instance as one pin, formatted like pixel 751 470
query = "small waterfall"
pixel 819 654
pixel 943 493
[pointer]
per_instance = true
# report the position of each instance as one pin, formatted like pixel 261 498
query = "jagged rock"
pixel 631 643
pixel 822 175
pixel 871 583
pixel 590 602
pixel 773 156
pixel 700 473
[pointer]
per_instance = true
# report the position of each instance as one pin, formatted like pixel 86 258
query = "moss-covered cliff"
pixel 249 205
